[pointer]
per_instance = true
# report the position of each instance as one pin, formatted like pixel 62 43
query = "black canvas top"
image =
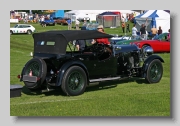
pixel 74 34
pixel 61 39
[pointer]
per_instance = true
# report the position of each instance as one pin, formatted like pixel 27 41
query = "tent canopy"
pixel 93 13
pixel 154 18
pixel 108 19
pixel 108 13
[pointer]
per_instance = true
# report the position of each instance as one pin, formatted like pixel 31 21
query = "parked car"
pixel 90 26
pixel 158 44
pixel 56 63
pixel 22 29
pixel 62 21
pixel 56 18
pixel 47 22
pixel 124 40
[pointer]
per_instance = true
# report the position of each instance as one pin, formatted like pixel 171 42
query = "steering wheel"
pixel 99 48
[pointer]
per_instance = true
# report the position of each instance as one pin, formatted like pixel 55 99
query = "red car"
pixel 158 44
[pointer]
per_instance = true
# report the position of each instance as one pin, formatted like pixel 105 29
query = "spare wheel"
pixel 34 68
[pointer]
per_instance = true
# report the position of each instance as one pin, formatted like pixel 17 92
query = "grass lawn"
pixel 131 97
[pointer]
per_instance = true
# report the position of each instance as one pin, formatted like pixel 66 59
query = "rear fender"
pixel 66 66
pixel 148 61
pixel 21 78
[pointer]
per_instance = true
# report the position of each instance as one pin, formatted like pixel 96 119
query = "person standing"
pixel 123 26
pixel 77 24
pixel 143 31
pixel 127 28
pixel 160 30
pixel 69 23
pixel 134 15
pixel 154 31
pixel 85 23
pixel 134 32
pixel 123 19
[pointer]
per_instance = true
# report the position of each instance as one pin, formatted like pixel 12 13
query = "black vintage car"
pixel 56 62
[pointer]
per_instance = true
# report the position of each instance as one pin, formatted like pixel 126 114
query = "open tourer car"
pixel 56 63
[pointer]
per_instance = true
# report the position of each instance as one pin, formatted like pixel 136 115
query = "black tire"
pixel 39 69
pixel 53 24
pixel 29 32
pixel 154 72
pixel 74 81
pixel 11 32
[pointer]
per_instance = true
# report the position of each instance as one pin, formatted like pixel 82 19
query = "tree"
pixel 66 10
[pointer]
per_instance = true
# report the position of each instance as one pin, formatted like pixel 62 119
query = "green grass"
pixel 131 97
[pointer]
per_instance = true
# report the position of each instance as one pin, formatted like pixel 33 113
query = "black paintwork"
pixel 124 61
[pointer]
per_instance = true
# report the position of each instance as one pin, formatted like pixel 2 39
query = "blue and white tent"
pixel 154 18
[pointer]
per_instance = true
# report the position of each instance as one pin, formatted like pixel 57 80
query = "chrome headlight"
pixel 148 50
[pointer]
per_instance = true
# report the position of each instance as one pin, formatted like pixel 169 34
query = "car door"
pixel 20 29
pixel 97 67
pixel 155 44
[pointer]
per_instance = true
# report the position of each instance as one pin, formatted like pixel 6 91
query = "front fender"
pixel 148 61
pixel 66 66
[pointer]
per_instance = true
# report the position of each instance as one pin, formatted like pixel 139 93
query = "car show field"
pixel 127 97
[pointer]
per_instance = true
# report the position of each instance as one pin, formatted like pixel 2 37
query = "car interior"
pixel 102 51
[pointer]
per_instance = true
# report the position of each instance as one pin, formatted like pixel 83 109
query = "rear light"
pixel 19 76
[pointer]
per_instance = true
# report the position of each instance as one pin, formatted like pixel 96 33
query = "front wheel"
pixel 154 72
pixel 74 81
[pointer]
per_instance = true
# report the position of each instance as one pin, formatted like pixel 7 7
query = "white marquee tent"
pixel 155 18
pixel 93 13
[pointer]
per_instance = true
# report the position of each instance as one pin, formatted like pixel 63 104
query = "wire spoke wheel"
pixel 35 67
pixel 154 71
pixel 74 81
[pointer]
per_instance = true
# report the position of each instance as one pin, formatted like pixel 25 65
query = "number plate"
pixel 29 78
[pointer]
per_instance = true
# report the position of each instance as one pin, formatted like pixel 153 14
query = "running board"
pixel 47 90
pixel 104 79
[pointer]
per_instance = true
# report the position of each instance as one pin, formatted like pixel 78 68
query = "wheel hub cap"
pixel 156 71
pixel 76 81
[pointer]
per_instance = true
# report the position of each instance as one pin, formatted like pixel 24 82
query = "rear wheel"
pixel 39 69
pixel 29 32
pixel 74 81
pixel 154 72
